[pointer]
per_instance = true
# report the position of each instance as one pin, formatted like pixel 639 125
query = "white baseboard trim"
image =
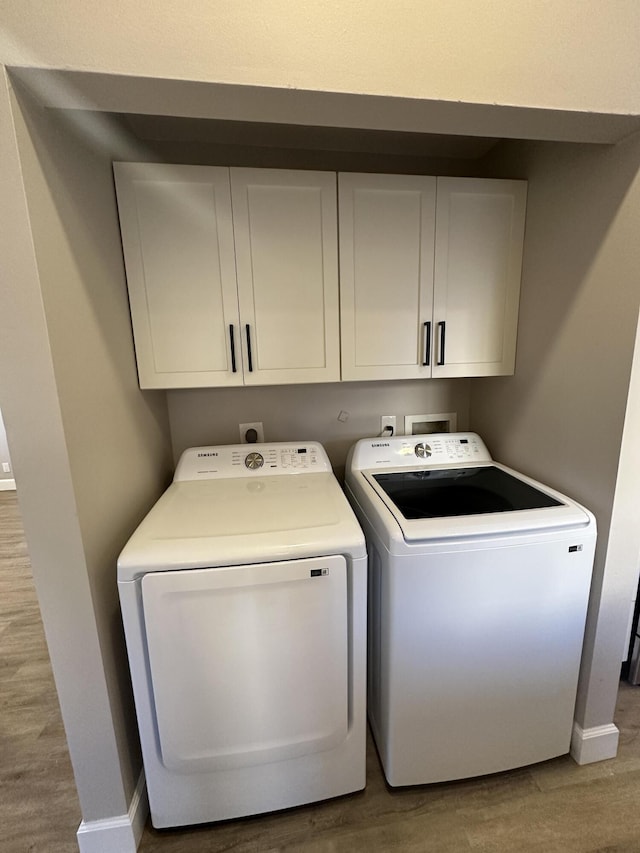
pixel 595 744
pixel 7 485
pixel 119 834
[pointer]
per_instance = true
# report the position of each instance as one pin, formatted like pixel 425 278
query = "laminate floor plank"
pixel 552 807
pixel 39 810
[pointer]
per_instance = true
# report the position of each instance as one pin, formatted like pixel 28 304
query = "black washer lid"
pixel 445 493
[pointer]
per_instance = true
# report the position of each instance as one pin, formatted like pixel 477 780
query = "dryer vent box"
pixel 424 424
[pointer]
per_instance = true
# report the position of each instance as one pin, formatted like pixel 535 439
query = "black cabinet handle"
pixel 441 326
pixel 234 369
pixel 249 356
pixel 427 343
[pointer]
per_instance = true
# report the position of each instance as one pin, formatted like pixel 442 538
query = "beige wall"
pixel 110 441
pixel 560 418
pixel 569 54
pixel 310 412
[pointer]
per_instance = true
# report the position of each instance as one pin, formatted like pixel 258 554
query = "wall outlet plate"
pixel 387 421
pixel 244 429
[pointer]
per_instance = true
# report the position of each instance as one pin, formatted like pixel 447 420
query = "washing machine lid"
pixel 470 501
pixel 442 493
pixel 223 522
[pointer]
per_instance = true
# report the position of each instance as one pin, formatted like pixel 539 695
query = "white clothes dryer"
pixel 243 596
pixel 479 583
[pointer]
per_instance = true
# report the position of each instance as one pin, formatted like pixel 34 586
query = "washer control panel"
pixel 245 460
pixel 434 450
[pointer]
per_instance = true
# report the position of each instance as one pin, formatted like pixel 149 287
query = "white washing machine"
pixel 479 582
pixel 243 597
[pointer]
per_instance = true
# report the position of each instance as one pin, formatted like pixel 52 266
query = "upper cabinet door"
pixel 386 275
pixel 177 236
pixel 285 226
pixel 479 239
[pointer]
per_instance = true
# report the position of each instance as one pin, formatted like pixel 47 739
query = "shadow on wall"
pixel 578 312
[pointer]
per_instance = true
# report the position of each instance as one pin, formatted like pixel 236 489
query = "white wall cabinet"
pixel 430 275
pixel 232 274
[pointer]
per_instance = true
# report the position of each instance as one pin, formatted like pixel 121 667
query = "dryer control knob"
pixel 254 460
pixel 423 451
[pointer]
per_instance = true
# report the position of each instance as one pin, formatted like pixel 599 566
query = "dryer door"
pixel 248 663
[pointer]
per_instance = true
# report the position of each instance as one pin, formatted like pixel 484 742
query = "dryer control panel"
pixel 431 451
pixel 246 460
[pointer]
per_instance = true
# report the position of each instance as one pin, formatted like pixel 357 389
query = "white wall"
pixel 560 418
pixel 310 412
pixel 91 452
pixel 569 54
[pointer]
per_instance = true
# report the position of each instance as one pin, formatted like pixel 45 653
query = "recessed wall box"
pixel 423 424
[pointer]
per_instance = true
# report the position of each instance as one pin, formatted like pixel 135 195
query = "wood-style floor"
pixel 555 807
pixel 39 808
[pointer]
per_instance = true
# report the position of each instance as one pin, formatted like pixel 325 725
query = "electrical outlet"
pixel 387 421
pixel 246 429
pixel 6 468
